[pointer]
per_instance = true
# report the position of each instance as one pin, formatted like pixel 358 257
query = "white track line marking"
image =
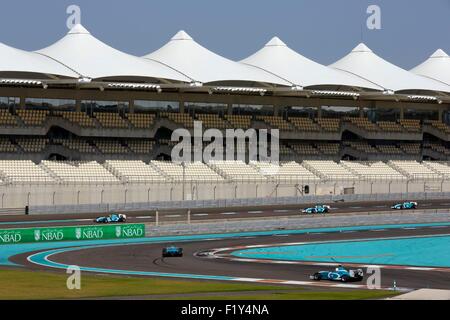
pixel 229 213
pixel 255 212
pixel 144 217
pixel 279 211
pixel 173 216
pixel 201 214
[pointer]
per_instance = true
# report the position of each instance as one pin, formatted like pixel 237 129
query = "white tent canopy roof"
pixel 185 55
pixel 276 57
pixel 436 67
pixel 91 58
pixel 15 60
pixel 361 61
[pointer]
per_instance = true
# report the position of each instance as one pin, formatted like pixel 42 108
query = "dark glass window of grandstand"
pixel 50 104
pixel 197 107
pixel 382 114
pixel 302 112
pixel 91 107
pixel 9 102
pixel 143 106
pixel 338 112
pixel 248 109
pixel 421 114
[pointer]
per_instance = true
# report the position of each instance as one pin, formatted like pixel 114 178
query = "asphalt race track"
pixel 197 215
pixel 146 257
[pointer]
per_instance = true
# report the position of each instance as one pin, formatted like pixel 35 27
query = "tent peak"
pixel 78 29
pixel 182 35
pixel 361 48
pixel 439 53
pixel 275 42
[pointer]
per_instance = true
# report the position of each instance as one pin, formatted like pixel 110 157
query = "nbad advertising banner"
pixel 12 236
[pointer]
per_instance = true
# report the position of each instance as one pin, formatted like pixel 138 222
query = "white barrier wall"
pixel 19 196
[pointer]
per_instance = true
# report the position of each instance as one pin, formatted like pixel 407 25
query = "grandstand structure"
pixel 83 120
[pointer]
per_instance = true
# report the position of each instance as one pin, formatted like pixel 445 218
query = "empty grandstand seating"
pixel 329 170
pixel 6 145
pixel 7 119
pixel 328 148
pixel 329 124
pixel 141 146
pixel 111 120
pixel 304 124
pixel 183 119
pixel 141 120
pixel 33 117
pixel 414 169
pixel 76 144
pixel 79 118
pixel 195 171
pixel 373 170
pixel 410 148
pixel 410 125
pixel 362 146
pixel 441 168
pixel 134 171
pixel 389 149
pixel 284 171
pixel 110 147
pixel 239 121
pixel 276 122
pixel 32 145
pixel 79 172
pixel 440 126
pixel 390 126
pixel 213 121
pixel 236 170
pixel 16 171
pixel 362 123
pixel 305 149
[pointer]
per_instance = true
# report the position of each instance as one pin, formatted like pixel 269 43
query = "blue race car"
pixel 317 209
pixel 405 205
pixel 172 251
pixel 112 218
pixel 339 274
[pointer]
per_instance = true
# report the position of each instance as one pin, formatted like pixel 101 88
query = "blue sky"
pixel 324 30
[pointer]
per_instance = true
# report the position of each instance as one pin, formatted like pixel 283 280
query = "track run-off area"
pixel 220 256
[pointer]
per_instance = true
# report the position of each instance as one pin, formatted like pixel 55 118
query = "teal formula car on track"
pixel 317 209
pixel 405 205
pixel 339 274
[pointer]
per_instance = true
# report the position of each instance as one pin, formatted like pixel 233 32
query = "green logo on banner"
pixel 10 236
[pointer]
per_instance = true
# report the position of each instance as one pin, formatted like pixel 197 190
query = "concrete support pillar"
pixel 319 112
pixel 181 105
pixel 402 113
pixel 440 112
pixel 230 109
pixel 78 105
pixel 22 103
pixel 131 106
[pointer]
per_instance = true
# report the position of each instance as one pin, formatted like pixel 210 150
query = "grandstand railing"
pixel 226 203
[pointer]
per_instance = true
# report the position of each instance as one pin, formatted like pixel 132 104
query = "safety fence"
pixel 227 203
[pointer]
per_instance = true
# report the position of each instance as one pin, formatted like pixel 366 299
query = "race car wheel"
pixel 317 277
pixel 344 279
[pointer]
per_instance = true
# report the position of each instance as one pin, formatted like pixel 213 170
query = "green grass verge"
pixel 32 285
pixel 17 284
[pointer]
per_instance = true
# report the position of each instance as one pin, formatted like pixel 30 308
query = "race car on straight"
pixel 112 218
pixel 339 274
pixel 172 251
pixel 405 205
pixel 317 209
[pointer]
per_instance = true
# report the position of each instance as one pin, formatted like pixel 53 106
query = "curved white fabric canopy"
pixel 195 61
pixel 361 61
pixel 17 61
pixel 90 57
pixel 276 57
pixel 437 67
